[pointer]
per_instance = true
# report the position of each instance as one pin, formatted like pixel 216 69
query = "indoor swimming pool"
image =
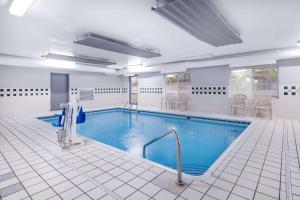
pixel 202 140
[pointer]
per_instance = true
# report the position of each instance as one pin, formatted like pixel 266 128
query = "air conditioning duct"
pixel 101 42
pixel 200 19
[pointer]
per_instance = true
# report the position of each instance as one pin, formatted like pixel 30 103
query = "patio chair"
pixel 168 101
pixel 171 101
pixel 263 103
pixel 182 102
pixel 239 101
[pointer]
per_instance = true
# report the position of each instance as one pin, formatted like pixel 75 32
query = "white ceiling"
pixel 53 25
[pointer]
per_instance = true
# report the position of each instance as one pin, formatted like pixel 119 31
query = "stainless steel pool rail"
pixel 179 161
pixel 127 105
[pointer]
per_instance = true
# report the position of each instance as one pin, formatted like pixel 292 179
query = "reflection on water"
pixel 134 141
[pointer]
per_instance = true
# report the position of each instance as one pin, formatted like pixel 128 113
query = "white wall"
pixel 214 82
pixel 288 105
pixel 39 79
pixel 110 85
pixel 284 106
pixel 201 77
pixel 151 90
pixel 32 78
pixel 25 79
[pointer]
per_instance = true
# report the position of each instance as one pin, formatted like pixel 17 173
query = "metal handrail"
pixel 127 104
pixel 179 162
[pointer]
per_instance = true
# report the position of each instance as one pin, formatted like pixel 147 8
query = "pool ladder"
pixel 179 162
pixel 128 105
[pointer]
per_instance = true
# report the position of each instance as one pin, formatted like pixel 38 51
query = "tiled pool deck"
pixel 264 164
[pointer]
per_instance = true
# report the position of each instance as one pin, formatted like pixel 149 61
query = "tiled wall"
pixel 287 105
pixel 20 92
pixel 111 90
pixel 151 90
pixel 101 91
pixel 209 90
pixel 27 90
pixel 291 90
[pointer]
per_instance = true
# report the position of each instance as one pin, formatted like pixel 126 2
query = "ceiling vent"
pixel 100 42
pixel 200 19
pixel 79 59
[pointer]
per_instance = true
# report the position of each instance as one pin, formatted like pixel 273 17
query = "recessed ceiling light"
pixel 298 44
pixel 19 7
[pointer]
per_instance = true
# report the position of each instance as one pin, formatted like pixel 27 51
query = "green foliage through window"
pixel 255 81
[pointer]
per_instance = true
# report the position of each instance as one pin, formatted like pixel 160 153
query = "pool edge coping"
pixel 217 118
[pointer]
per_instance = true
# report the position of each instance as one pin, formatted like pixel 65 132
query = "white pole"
pixel 75 109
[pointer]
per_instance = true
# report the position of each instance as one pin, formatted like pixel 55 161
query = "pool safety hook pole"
pixel 179 161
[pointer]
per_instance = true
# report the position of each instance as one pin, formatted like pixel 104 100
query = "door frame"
pixel 68 86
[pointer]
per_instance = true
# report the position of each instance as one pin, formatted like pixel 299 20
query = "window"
pixel 177 84
pixel 86 95
pixel 255 81
pixel 171 84
pixel 265 81
pixel 241 82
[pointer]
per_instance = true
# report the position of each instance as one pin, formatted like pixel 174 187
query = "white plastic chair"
pixel 168 101
pixel 263 103
pixel 239 101
pixel 182 102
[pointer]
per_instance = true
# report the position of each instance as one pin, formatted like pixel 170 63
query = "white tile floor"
pixel 263 165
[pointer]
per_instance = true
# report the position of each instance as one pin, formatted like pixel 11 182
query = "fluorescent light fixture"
pixel 171 75
pixel 19 7
pixel 101 42
pixel 291 53
pixel 79 59
pixel 200 19
pixel 59 64
pixel 134 66
pixel 131 74
pixel 139 69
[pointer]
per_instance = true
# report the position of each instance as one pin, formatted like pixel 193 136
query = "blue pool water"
pixel 202 140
